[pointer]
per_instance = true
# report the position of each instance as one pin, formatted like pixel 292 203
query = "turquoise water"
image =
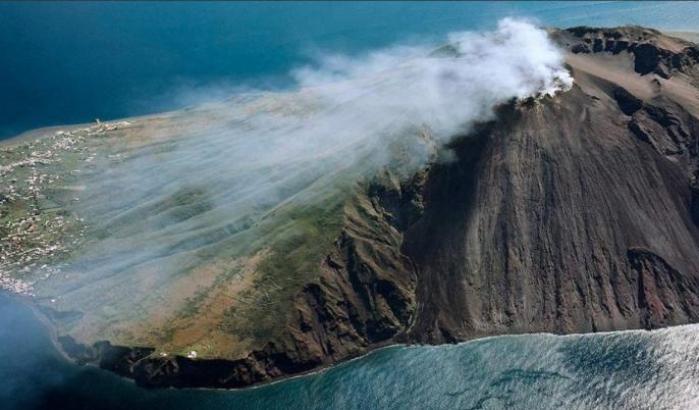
pixel 636 370
pixel 72 62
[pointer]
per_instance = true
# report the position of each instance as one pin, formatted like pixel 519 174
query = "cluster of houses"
pixel 30 236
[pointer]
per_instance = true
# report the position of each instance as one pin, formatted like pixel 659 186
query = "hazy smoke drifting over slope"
pixel 447 89
pixel 208 181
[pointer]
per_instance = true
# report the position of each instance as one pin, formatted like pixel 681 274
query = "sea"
pixel 618 370
pixel 72 62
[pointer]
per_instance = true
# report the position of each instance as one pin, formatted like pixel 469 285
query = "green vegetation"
pixel 303 235
pixel 172 266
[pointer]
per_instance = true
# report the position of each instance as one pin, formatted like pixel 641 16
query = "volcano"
pixel 566 213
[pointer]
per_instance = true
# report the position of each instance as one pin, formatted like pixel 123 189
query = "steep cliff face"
pixel 365 294
pixel 573 213
pixel 364 297
pixel 652 52
pixel 568 223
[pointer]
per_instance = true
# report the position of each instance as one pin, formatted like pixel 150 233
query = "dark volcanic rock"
pixel 647 58
pixel 537 231
pixel 653 52
pixel 665 296
pixel 628 103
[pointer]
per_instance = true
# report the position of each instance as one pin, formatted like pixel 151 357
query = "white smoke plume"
pixel 447 90
pixel 262 150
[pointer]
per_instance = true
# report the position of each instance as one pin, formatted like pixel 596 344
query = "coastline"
pixel 41 132
pixel 38 133
pixel 54 337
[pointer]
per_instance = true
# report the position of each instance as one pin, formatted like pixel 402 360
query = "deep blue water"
pixel 74 62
